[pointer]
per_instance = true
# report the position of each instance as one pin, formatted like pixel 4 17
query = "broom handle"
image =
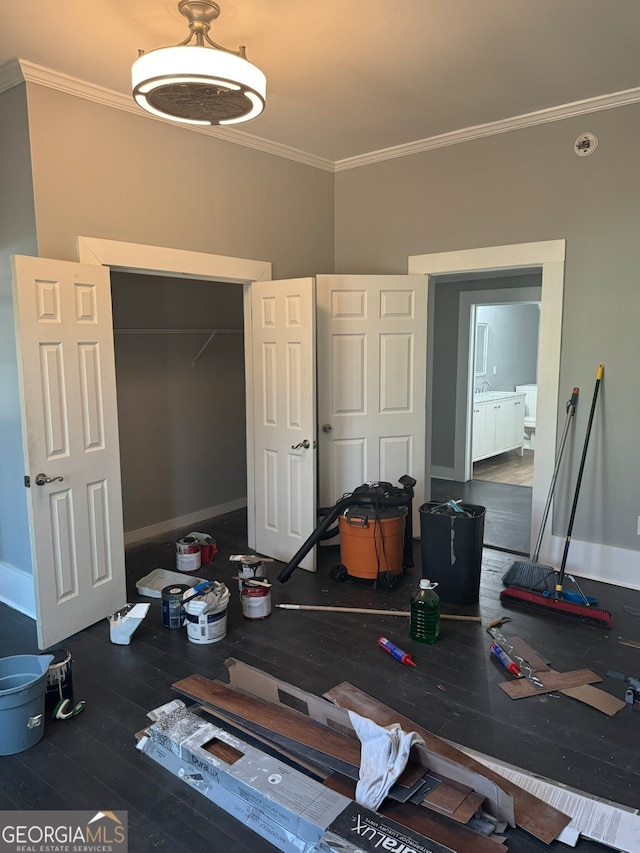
pixel 372 612
pixel 571 408
pixel 579 481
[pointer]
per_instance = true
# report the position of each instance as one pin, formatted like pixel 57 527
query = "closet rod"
pixel 178 331
pixel 211 332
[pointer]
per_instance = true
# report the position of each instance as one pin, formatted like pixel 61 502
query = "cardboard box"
pixel 284 806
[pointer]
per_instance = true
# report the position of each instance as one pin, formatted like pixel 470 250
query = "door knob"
pixel 304 444
pixel 326 427
pixel 42 479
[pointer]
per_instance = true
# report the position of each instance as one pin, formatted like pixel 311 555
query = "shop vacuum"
pixel 376 534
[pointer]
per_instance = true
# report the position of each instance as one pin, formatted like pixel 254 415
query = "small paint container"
pixel 188 556
pixel 172 610
pixel 256 599
pixel 249 569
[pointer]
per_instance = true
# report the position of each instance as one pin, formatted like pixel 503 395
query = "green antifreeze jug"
pixel 424 623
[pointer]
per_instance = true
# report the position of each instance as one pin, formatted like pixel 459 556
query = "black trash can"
pixel 451 547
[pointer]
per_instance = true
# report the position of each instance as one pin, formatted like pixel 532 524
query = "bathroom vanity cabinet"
pixel 498 424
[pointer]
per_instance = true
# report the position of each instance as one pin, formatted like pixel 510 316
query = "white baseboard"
pixel 442 473
pixel 17 590
pixel 606 563
pixel 142 533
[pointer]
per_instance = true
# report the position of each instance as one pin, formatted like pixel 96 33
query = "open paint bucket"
pixel 256 598
pixel 188 556
pixel 206 615
pixel 172 610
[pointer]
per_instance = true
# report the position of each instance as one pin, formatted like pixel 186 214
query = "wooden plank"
pixel 245 733
pixel 531 813
pixel 552 680
pixel 432 825
pixel 464 811
pixel 525 651
pixel 290 727
pixel 447 797
pixel 280 720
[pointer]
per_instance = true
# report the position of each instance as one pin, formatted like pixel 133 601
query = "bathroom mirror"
pixel 482 341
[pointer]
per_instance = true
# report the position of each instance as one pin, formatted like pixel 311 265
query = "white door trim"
pixel 549 256
pixel 181 263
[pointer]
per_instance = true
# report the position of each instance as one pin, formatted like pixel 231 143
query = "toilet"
pixel 530 404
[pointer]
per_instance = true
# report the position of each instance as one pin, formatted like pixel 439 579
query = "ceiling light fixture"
pixel 202 84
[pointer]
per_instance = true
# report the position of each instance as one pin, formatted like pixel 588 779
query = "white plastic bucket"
pixel 206 616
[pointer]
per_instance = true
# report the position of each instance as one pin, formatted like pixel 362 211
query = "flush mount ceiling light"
pixel 202 84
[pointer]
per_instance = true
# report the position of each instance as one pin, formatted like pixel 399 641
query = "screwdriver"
pixel 395 652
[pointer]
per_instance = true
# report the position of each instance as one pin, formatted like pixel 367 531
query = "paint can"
pixel 172 612
pixel 248 569
pixel 206 615
pixel 256 599
pixel 59 680
pixel 188 557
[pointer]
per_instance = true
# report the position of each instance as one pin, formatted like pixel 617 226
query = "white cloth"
pixel 383 757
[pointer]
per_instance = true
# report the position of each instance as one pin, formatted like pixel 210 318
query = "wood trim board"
pixel 531 813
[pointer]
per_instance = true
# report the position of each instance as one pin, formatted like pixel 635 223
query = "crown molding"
pixel 21 70
pixel 577 108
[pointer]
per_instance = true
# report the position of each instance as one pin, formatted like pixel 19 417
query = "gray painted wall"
pixel 182 425
pixel 17 236
pixel 512 344
pixel 520 187
pixel 124 177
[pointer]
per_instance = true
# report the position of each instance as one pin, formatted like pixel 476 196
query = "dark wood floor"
pixel 507 524
pixel 90 761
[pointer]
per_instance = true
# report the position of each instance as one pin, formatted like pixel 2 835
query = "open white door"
pixel 284 416
pixel 69 416
pixel 372 358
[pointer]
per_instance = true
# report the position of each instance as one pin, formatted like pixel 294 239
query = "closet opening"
pixel 180 377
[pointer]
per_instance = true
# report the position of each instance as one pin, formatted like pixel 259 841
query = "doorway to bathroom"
pixel 497 318
pixel 503 378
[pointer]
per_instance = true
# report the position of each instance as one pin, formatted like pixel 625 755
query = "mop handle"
pixel 571 409
pixel 579 480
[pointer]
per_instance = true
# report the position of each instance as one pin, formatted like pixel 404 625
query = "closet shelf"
pixel 211 332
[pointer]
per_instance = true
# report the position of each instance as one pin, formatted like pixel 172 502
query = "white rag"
pixel 383 757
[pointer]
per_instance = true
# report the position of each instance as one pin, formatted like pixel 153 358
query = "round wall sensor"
pixel 585 144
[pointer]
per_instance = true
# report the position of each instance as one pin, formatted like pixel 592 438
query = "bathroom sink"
pixel 493 395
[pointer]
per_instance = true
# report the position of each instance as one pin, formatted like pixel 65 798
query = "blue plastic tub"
pixel 23 681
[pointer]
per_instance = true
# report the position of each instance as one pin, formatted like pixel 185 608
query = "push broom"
pixel 530 574
pixel 553 601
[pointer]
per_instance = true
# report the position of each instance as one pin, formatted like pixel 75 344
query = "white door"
pixel 284 416
pixel 372 359
pixel 70 427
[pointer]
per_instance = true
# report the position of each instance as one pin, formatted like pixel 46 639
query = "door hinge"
pixel 27 482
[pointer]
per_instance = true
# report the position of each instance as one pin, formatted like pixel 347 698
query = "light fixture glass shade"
pixel 198 85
